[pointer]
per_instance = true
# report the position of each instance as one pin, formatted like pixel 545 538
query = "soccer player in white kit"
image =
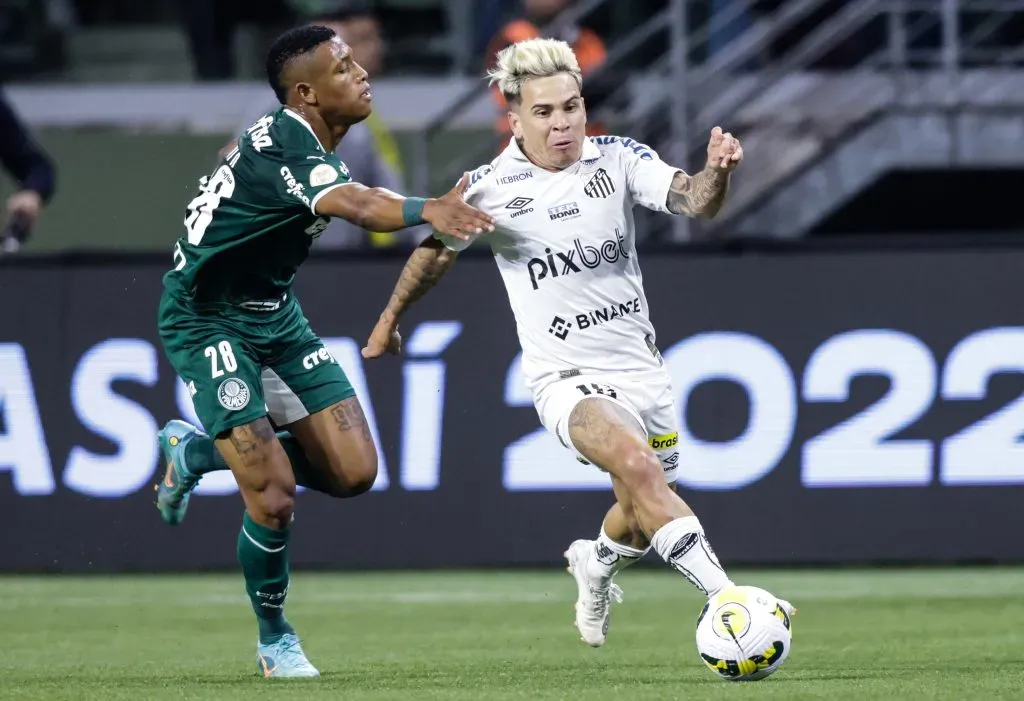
pixel 565 246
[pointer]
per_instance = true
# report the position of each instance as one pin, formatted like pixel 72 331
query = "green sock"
pixel 202 457
pixel 263 554
pixel 305 474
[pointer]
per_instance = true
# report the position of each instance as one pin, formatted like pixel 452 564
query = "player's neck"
pixel 329 136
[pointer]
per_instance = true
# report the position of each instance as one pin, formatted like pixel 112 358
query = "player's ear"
pixel 516 124
pixel 306 92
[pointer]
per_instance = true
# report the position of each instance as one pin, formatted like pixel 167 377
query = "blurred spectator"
pixel 211 26
pixel 27 163
pixel 368 149
pixel 537 14
pixel 489 15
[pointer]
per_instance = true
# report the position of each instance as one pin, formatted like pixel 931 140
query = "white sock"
pixel 682 544
pixel 609 557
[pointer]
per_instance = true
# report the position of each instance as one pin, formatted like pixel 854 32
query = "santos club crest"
pixel 600 185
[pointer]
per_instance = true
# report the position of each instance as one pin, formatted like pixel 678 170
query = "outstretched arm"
pixel 379 209
pixel 703 194
pixel 425 267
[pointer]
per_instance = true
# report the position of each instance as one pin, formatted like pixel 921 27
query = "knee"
pixel 352 475
pixel 275 503
pixel 641 470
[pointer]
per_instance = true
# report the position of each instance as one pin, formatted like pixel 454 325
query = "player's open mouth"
pixel 367 94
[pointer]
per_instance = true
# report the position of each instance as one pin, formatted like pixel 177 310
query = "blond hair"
pixel 529 59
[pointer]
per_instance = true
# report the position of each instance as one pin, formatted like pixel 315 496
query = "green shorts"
pixel 240 364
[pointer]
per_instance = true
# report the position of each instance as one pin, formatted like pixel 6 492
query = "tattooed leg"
pixel 333 451
pixel 261 468
pixel 648 509
pixel 608 435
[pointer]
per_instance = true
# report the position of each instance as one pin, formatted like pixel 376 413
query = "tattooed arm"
pixel 699 195
pixel 425 267
pixel 702 195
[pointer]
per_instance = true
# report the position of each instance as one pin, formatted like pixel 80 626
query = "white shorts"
pixel 646 394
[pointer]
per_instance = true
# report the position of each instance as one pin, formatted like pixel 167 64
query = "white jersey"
pixel 565 245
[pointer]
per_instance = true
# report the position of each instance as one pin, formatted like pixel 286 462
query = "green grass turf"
pixel 916 634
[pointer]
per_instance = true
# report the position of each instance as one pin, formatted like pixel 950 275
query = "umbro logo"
pixel 599 186
pixel 604 554
pixel 519 204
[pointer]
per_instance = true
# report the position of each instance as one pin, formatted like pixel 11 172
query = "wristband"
pixel 412 210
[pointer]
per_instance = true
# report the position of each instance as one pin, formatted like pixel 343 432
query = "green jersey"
pixel 254 219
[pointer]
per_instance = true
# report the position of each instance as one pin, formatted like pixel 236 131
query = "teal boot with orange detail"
pixel 173 492
pixel 284 659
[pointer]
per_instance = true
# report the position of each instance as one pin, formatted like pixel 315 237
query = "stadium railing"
pixel 888 39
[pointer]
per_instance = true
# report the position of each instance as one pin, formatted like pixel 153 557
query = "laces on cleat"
pixel 603 597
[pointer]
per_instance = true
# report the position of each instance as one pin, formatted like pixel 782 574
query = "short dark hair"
pixel 290 45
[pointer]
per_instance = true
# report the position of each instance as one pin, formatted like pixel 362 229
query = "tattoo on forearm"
pixel 348 415
pixel 250 440
pixel 426 266
pixel 698 195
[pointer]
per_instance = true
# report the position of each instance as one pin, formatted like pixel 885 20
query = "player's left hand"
pixel 724 151
pixel 383 339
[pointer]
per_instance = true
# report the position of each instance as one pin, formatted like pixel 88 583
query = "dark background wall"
pixel 838 404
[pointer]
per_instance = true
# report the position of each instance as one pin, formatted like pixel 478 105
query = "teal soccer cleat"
pixel 172 493
pixel 284 659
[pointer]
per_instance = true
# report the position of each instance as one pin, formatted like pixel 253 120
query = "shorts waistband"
pixel 264 305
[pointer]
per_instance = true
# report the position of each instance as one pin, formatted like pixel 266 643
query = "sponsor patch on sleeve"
pixel 323 174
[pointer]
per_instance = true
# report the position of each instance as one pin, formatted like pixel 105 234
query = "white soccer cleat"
pixel 593 604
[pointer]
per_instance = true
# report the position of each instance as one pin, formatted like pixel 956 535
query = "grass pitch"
pixel 863 635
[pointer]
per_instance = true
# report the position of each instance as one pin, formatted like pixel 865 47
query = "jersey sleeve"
pixel 474 195
pixel 649 178
pixel 306 177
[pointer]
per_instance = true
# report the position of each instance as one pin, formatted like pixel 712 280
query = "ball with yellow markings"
pixel 743 634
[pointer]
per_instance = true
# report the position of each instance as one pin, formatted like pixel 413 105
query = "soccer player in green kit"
pixel 237 337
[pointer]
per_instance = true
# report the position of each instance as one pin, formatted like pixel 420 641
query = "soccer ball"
pixel 743 634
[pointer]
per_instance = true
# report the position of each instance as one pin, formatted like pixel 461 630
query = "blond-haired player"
pixel 565 246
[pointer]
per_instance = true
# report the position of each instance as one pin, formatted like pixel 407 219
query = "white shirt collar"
pixel 588 152
pixel 302 120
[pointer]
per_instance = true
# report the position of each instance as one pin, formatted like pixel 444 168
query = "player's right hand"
pixel 452 215
pixel 383 339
